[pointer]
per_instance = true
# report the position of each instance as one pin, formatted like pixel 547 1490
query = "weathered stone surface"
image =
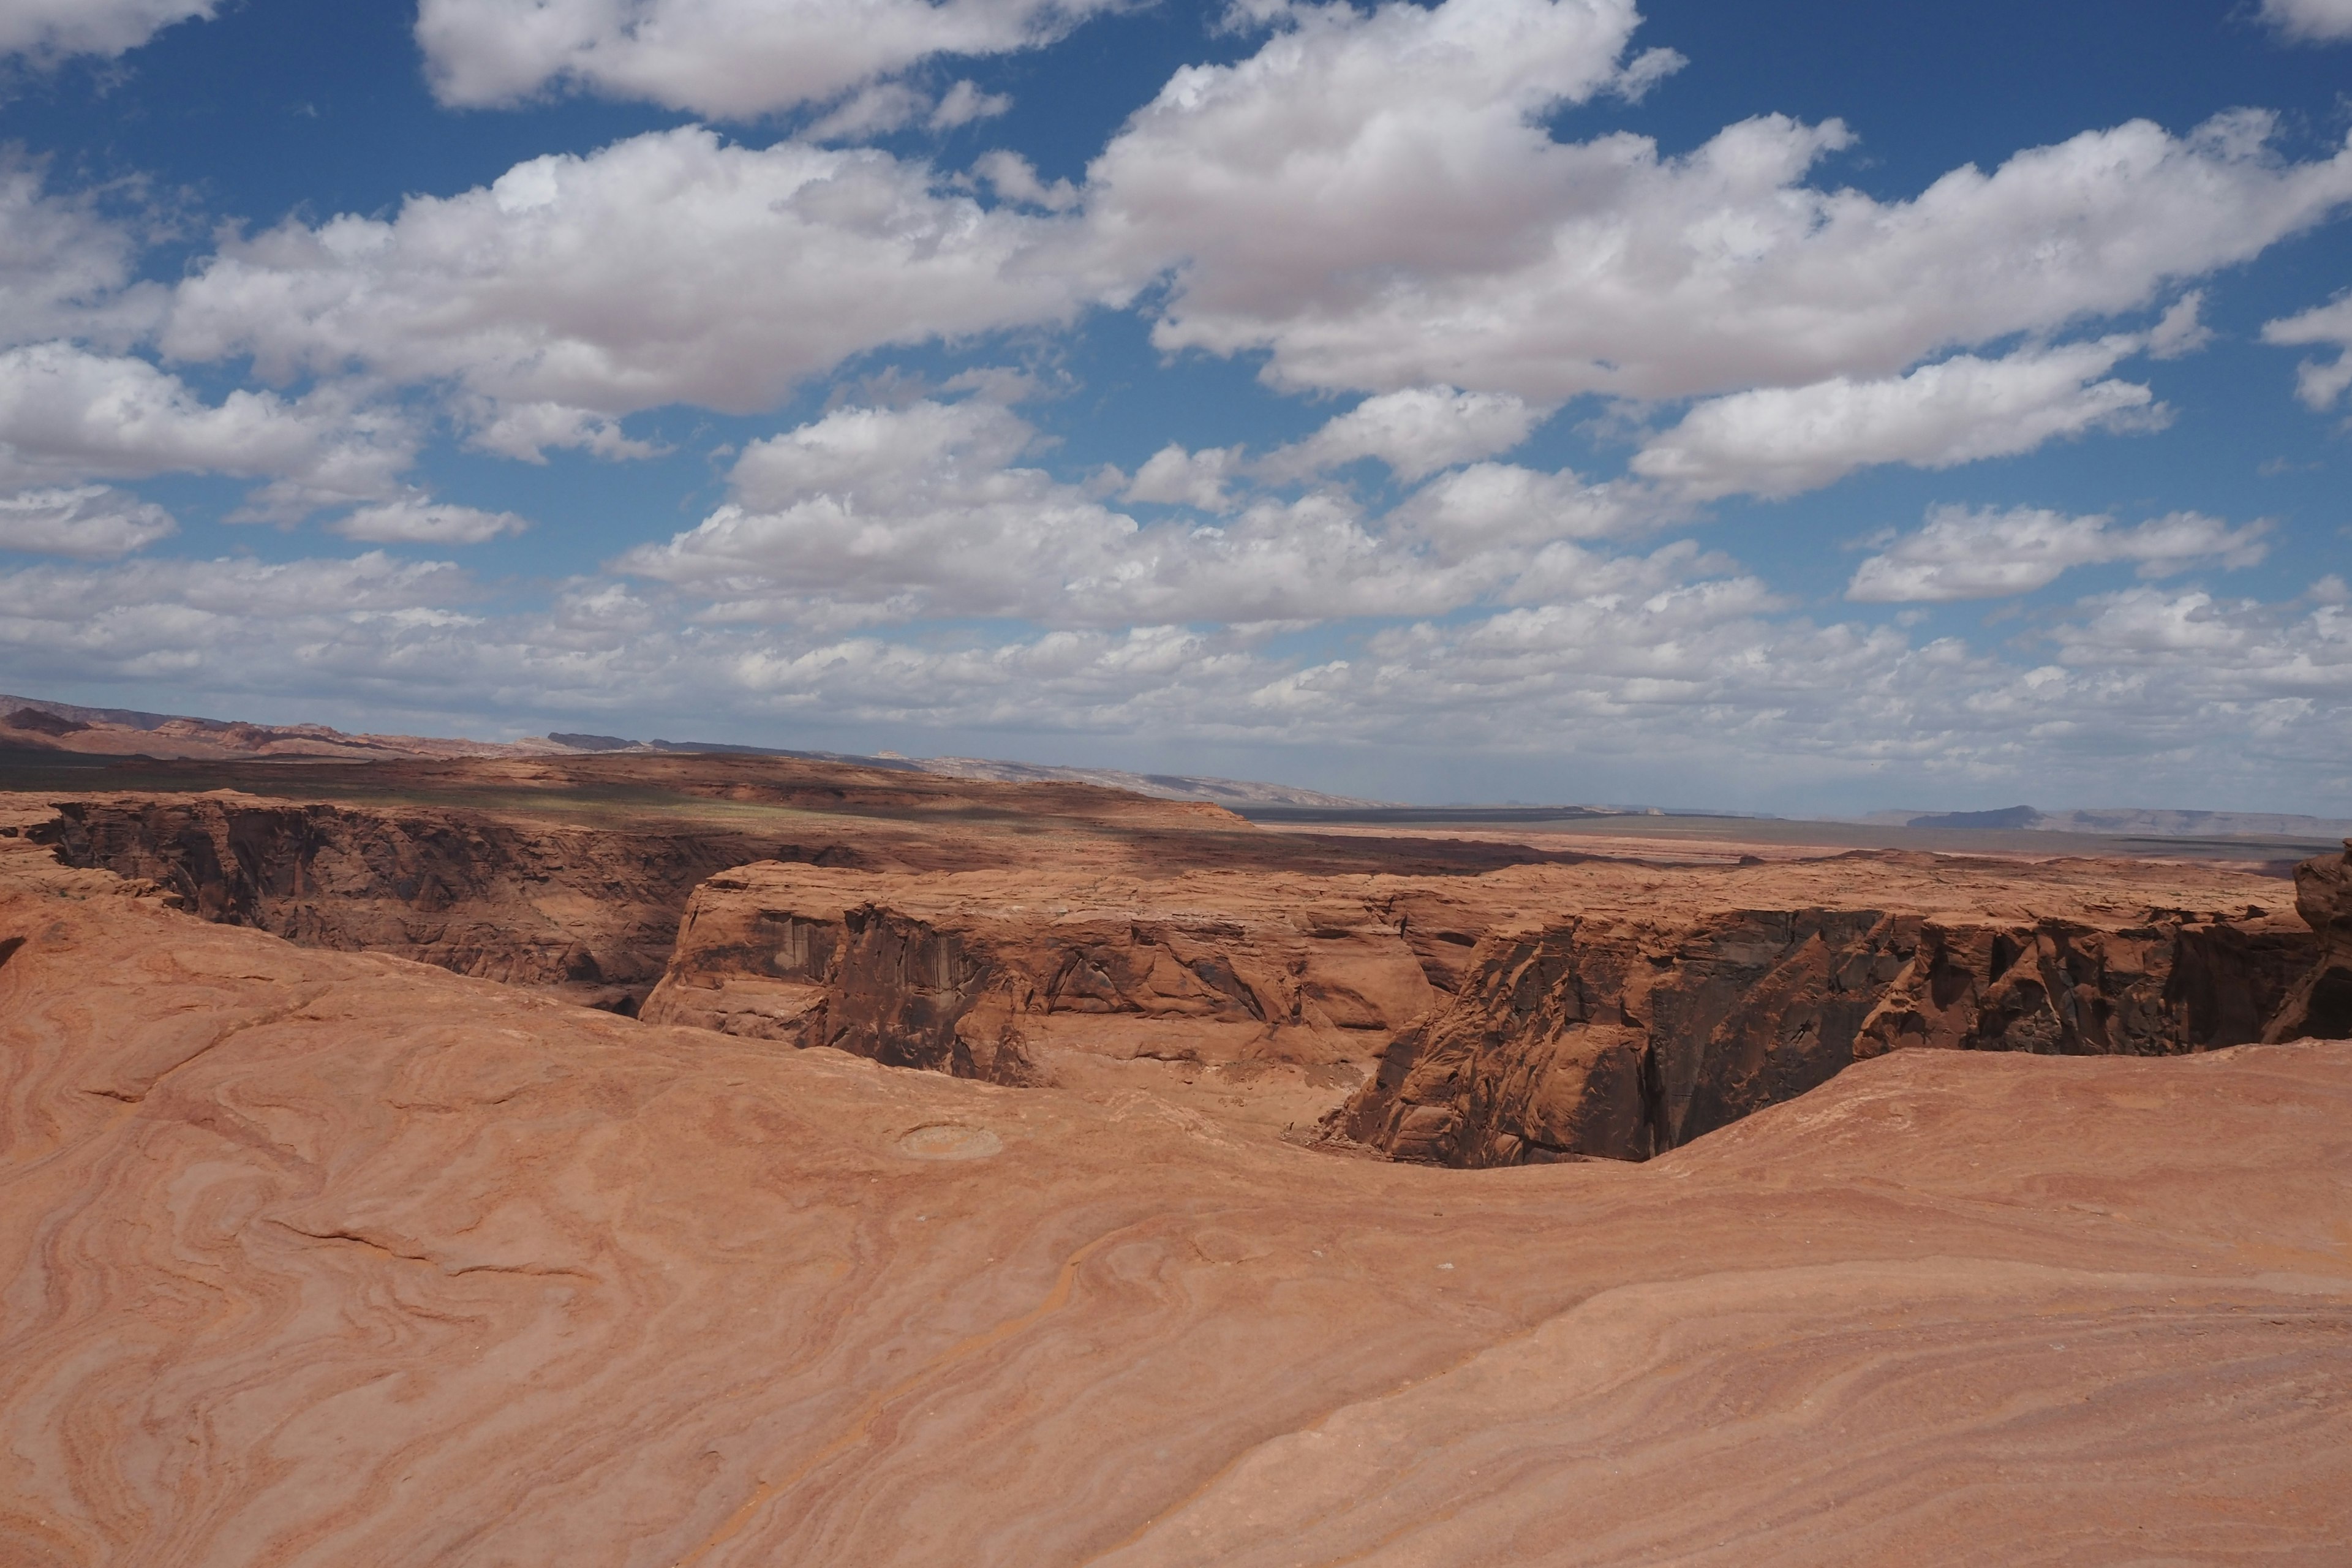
pixel 2320 1004
pixel 573 871
pixel 524 903
pixel 1629 1030
pixel 313 1258
pixel 995 975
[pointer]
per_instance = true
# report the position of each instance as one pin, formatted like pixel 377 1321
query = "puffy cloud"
pixel 65 269
pixel 670 268
pixel 2319 21
pixel 89 521
pixel 1984 554
pixel 1014 179
pixel 727 57
pixel 2180 332
pixel 964 103
pixel 2319 382
pixel 67 415
pixel 1374 200
pixel 1415 432
pixel 873 513
pixel 1672 666
pixel 1489 506
pixel 49 29
pixel 301 625
pixel 418 520
pixel 876 514
pixel 1778 441
pixel 1174 477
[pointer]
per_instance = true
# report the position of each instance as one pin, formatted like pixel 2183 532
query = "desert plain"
pixel 699 1160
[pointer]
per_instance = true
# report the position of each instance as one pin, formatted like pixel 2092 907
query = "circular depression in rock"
pixel 946 1141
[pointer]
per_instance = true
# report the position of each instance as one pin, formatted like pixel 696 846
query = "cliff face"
pixel 989 974
pixel 2320 1004
pixel 315 1259
pixel 1624 1038
pixel 525 904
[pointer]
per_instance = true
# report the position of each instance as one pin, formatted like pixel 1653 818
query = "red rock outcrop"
pixel 1629 1030
pixel 576 870
pixel 520 902
pixel 2320 1004
pixel 315 1258
pixel 994 974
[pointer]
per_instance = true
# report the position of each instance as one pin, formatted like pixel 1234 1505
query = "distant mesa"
pixel 42 722
pixel 592 742
pixel 2007 817
pixel 2128 822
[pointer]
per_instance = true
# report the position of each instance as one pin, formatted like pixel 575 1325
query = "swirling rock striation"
pixel 314 1259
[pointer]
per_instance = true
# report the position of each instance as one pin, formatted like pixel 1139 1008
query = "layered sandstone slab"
pixel 999 974
pixel 574 870
pixel 1658 1004
pixel 323 1259
pixel 1613 1008
pixel 2321 1002
pixel 520 902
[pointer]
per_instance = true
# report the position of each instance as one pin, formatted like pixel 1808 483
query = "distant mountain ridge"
pixel 2128 821
pixel 35 723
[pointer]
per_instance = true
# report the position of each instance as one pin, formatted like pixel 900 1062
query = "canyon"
pixel 1465 1000
pixel 319 1258
pixel 1034 1173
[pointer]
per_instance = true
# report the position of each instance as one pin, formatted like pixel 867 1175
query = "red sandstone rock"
pixel 576 870
pixel 2321 1002
pixel 996 974
pixel 1660 1006
pixel 313 1258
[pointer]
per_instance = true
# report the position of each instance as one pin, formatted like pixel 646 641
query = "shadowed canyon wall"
pixel 2319 1006
pixel 529 904
pixel 1532 1012
pixel 992 974
pixel 1625 1038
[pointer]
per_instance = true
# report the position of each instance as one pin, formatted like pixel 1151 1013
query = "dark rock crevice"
pixel 1623 1039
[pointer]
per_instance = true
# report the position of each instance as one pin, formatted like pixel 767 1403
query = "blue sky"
pixel 1814 407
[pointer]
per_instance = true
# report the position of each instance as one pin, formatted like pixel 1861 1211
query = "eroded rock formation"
pixel 2320 1004
pixel 523 903
pixel 576 870
pixel 1492 1028
pixel 313 1259
pixel 1621 1035
pixel 993 975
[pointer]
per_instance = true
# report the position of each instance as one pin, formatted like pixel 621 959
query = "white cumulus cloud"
pixel 49 29
pixel 68 415
pixel 1372 199
pixel 669 268
pixel 731 58
pixel 1415 432
pixel 1778 441
pixel 65 268
pixel 92 523
pixel 1174 477
pixel 873 514
pixel 418 520
pixel 2318 20
pixel 2319 382
pixel 1963 554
